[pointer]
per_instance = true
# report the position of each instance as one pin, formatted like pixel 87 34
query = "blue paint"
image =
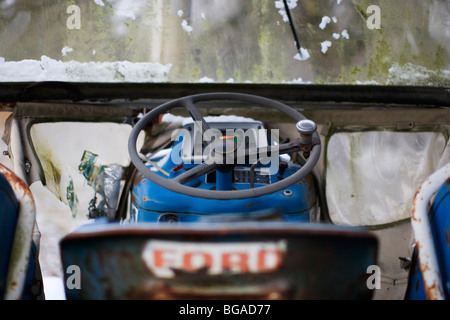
pixel 440 228
pixel 223 180
pixel 8 220
pixel 110 257
pixel 9 210
pixel 151 201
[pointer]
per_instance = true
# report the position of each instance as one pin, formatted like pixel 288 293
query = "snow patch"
pixel 205 80
pixel 410 74
pixel 325 20
pixel 124 10
pixel 299 80
pixel 303 56
pixel 367 82
pixel 344 34
pixel 48 69
pixel 99 2
pixel 66 50
pixel 292 4
pixel 186 27
pixel 325 45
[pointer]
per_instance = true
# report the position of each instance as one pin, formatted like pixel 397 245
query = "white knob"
pixel 306 127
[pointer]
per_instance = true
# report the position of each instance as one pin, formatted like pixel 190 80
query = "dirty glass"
pixel 341 41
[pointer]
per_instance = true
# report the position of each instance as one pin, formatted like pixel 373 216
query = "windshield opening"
pixel 341 42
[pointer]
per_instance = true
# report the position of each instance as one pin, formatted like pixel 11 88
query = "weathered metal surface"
pixel 263 260
pixel 440 227
pixel 293 92
pixel 151 200
pixel 20 253
pixel 423 234
pixel 9 208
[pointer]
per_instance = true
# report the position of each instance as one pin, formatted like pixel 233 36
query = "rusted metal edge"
pixel 422 231
pixel 23 236
pixel 97 91
pixel 207 229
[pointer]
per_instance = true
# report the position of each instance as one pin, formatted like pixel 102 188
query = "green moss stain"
pixel 380 61
pixel 361 9
pixel 254 44
pixel 441 58
pixel 51 172
pixel 195 73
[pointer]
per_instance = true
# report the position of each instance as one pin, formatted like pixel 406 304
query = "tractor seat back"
pixel 257 260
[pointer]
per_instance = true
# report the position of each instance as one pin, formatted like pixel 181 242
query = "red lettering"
pixel 188 259
pixel 269 260
pixel 233 260
pixel 160 257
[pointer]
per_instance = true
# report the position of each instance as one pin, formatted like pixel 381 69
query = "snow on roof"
pixel 48 69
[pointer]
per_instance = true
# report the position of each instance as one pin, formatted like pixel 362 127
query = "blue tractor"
pixel 225 170
pixel 222 214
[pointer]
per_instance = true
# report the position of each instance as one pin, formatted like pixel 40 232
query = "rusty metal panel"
pixel 23 236
pixel 431 267
pixel 424 233
pixel 8 222
pixel 264 260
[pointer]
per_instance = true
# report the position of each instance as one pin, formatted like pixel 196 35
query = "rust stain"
pixel 138 179
pixel 431 291
pixel 16 182
pixel 418 246
pixel 313 201
pixel 310 182
pixel 6 105
pixel 249 205
pixel 155 290
pixel 414 205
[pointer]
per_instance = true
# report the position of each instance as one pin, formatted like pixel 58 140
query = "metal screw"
pixel 27 166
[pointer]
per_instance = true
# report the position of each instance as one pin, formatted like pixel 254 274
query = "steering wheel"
pixel 308 142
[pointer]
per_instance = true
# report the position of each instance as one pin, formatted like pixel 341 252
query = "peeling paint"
pixel 22 238
pixel 429 266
